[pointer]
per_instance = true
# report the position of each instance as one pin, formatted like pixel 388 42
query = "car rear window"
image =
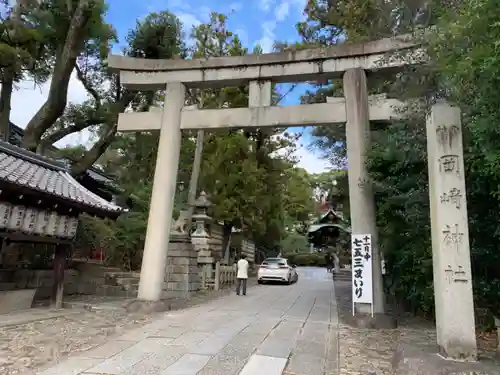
pixel 279 262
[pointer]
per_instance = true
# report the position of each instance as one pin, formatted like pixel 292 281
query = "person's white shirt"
pixel 242 269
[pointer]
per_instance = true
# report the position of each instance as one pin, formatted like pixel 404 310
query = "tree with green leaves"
pixel 462 70
pixel 242 170
pixel 75 31
pixel 23 52
pixel 157 36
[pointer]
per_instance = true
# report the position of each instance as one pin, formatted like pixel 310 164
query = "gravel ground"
pixel 364 351
pixel 24 347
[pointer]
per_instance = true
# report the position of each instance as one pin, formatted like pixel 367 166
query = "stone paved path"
pixel 274 330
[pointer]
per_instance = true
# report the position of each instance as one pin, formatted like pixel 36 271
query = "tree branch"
pixel 57 99
pixel 57 135
pixel 79 167
pixel 81 77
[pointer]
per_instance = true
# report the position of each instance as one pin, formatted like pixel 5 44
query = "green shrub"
pixel 307 259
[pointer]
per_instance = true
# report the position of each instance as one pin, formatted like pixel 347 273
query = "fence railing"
pixel 220 277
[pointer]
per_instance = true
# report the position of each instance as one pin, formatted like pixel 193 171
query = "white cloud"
pixel 282 11
pixel 310 162
pixel 264 5
pixel 266 43
pixel 188 21
pixel 28 98
pixel 307 159
pixel 268 36
pixel 243 35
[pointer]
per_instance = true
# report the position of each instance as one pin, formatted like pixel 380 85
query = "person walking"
pixel 242 276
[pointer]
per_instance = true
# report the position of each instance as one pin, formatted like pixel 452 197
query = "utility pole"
pixel 195 173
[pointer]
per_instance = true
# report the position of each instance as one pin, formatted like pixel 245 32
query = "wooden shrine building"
pixel 324 232
pixel 40 203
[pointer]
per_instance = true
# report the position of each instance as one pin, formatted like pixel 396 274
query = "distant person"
pixel 242 276
pixel 329 262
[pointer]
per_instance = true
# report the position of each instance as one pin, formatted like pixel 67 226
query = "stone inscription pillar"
pixel 162 198
pixel 360 193
pixel 450 234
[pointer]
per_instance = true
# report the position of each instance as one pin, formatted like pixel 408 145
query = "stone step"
pixel 123 274
pixel 131 286
pixel 97 270
pixel 343 275
pixel 127 281
pixel 115 291
pixel 7 286
pixel 114 304
pixel 342 279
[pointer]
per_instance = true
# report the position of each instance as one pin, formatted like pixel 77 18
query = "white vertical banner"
pixel 362 281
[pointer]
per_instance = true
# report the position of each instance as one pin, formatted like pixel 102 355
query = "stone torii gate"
pixel 451 255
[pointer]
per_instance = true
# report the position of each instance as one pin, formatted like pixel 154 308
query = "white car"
pixel 277 269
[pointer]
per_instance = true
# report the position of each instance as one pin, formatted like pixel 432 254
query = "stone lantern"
pixel 201 220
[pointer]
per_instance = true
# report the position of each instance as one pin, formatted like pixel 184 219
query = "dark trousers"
pixel 239 284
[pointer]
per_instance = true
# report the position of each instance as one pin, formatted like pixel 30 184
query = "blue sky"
pixel 255 22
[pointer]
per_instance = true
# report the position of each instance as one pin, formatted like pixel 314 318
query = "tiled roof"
pixel 16 137
pixel 35 172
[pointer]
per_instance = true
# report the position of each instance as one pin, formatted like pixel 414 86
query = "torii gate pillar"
pixel 361 199
pixel 154 258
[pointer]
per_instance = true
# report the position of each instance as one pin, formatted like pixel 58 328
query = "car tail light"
pixel 283 267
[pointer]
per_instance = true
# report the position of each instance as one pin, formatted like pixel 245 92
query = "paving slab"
pixel 243 345
pixel 190 339
pixel 259 364
pixel 131 356
pixel 109 349
pixel 224 365
pixel 157 362
pixel 188 364
pixel 212 344
pixel 281 340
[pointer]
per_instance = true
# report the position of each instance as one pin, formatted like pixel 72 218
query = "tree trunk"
pixel 79 167
pixel 5 100
pixel 56 101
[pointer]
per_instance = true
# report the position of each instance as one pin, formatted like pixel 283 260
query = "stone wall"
pixel 208 245
pixel 208 237
pixel 248 249
pixel 182 278
pixel 243 246
pixel 89 279
pixel 42 280
pixel 16 254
